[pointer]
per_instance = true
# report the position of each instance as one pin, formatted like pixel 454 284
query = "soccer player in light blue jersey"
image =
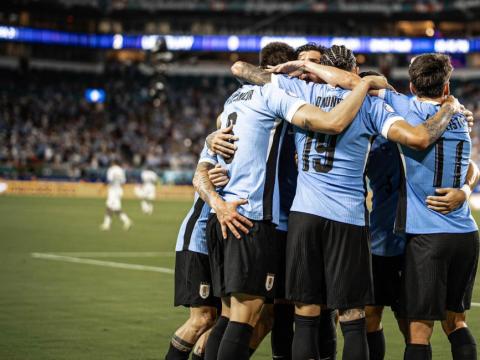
pixel 193 285
pixel 243 270
pixel 328 248
pixel 442 249
pixel 387 247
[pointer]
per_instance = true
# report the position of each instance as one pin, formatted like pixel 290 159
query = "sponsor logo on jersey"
pixel 204 291
pixel 269 281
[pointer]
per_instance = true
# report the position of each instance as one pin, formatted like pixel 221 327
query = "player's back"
pixel 385 179
pixel 331 181
pixel 256 113
pixel 116 176
pixel 149 177
pixel 442 165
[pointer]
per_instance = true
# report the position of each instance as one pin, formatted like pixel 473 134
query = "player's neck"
pixel 437 100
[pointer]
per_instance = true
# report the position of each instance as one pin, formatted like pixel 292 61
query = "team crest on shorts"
pixel 269 281
pixel 204 291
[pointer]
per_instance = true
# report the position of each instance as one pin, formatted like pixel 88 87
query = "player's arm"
pixel 331 75
pixel 226 211
pixel 449 199
pixel 422 136
pixel 250 74
pixel 312 118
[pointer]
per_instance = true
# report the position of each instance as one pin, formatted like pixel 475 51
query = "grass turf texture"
pixel 59 310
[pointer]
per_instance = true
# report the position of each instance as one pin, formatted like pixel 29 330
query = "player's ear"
pixel 412 89
pixel 446 89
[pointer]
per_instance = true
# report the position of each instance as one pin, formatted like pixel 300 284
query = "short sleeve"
pixel 381 116
pixel 280 103
pixel 207 156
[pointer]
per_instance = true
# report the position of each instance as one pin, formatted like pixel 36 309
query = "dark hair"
pixel 310 47
pixel 369 73
pixel 429 73
pixel 276 53
pixel 340 57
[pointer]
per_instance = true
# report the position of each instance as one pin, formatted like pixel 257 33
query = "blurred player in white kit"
pixel 147 191
pixel 115 178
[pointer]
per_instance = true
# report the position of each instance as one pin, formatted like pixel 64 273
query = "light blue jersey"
pixel 444 164
pixel 331 181
pixel 191 235
pixel 256 113
pixel 383 172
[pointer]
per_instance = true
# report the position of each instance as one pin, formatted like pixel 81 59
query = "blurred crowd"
pixel 49 130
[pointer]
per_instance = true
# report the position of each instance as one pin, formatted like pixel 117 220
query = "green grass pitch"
pixel 61 310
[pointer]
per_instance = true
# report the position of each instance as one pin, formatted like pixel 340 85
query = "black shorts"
pixel 439 275
pixel 245 265
pixel 281 245
pixel 193 284
pixel 387 271
pixel 328 262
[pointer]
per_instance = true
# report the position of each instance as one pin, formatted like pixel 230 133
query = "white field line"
pixel 112 264
pixel 120 254
pixel 71 259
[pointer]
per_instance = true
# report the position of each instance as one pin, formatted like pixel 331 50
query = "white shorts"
pixel 114 199
pixel 149 192
pixel 146 192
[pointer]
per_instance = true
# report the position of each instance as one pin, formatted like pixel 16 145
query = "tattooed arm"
pixel 422 136
pixel 250 74
pixel 227 214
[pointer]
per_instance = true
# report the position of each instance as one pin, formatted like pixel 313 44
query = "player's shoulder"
pixel 244 92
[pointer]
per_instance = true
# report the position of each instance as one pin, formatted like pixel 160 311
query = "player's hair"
pixel 276 53
pixel 310 47
pixel 429 73
pixel 340 57
pixel 369 73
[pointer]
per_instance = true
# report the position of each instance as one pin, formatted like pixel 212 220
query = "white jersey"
pixel 149 180
pixel 149 177
pixel 116 178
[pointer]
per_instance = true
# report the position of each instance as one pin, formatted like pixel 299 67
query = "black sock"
pixel 282 331
pixel 463 345
pixel 327 335
pixel 376 345
pixel 235 342
pixel 251 351
pixel 418 352
pixel 305 339
pixel 174 353
pixel 355 340
pixel 215 337
pixel 197 356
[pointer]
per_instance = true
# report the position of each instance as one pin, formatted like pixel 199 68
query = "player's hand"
pixel 287 68
pixel 228 217
pixel 452 101
pixel 377 82
pixel 218 176
pixel 221 142
pixel 447 200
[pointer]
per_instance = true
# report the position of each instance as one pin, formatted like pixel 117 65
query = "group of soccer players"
pixel 279 237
